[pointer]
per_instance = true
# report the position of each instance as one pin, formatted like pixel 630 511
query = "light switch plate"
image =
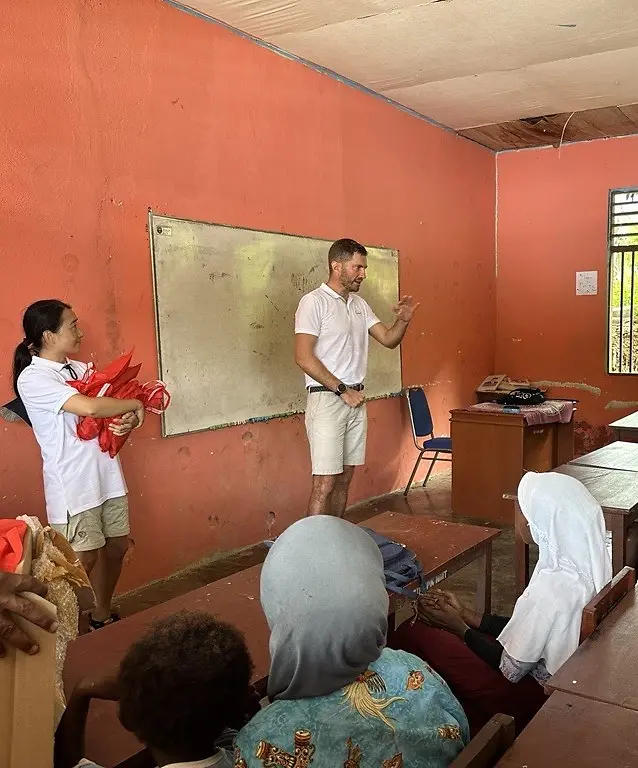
pixel 586 283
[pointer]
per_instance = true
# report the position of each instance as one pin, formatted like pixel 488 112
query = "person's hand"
pixel 140 414
pixel 441 596
pixel 12 586
pixel 124 425
pixel 439 613
pixel 353 398
pixel 102 686
pixel 405 309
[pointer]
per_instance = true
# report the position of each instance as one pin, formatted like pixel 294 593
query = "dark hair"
pixel 45 315
pixel 343 250
pixel 183 683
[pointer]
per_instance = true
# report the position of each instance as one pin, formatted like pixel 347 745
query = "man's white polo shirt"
pixel 341 328
pixel 77 475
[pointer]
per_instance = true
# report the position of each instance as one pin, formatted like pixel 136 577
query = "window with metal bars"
pixel 622 337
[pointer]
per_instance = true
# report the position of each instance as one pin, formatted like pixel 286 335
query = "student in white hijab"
pixel 567 524
pixel 339 697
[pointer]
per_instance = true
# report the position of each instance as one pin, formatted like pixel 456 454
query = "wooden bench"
pixel 443 548
pixel 572 732
pixel 489 744
pixel 626 429
pixel 604 667
pixel 617 493
pixel 602 604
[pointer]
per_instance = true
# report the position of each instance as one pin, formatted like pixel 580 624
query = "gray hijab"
pixel 324 596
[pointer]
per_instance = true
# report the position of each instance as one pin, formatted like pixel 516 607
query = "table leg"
pixel 618 531
pixel 484 583
pixel 521 564
pixel 392 623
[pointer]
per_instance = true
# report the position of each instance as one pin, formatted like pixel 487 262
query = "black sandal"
pixel 94 625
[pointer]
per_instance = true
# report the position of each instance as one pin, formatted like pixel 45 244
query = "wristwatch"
pixel 341 389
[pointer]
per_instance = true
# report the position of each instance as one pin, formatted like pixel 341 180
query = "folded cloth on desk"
pixel 549 412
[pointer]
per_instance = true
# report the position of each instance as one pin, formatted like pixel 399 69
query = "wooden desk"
pixel 604 667
pixel 617 493
pixel 234 599
pixel 626 429
pixel 618 455
pixel 442 547
pixel 491 452
pixel 572 732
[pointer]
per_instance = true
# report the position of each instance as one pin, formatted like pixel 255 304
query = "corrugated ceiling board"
pixel 582 126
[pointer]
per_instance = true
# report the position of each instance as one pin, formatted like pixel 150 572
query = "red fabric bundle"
pixel 117 380
pixel 12 534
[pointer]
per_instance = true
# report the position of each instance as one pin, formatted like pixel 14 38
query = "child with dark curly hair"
pixel 182 689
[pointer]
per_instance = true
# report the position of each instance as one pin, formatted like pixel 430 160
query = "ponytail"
pixel 39 318
pixel 21 360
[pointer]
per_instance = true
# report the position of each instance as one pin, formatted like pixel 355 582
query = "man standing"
pixel 331 348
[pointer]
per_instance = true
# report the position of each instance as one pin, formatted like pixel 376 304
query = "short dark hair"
pixel 343 250
pixel 183 683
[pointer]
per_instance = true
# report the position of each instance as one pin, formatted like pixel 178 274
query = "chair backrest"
pixel 600 605
pixel 420 415
pixel 489 744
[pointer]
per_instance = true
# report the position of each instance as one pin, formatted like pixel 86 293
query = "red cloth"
pixel 481 690
pixel 117 380
pixel 12 534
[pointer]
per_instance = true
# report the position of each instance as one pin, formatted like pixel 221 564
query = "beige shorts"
pixel 89 530
pixel 336 433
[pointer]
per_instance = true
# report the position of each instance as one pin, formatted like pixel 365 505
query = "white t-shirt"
pixel 77 474
pixel 341 328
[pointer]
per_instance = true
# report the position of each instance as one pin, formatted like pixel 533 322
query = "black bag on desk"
pixel 527 396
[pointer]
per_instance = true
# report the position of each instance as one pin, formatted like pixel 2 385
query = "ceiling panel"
pixel 463 63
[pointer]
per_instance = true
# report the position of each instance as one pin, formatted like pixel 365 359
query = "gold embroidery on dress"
pixel 354 755
pixel 359 695
pixel 416 678
pixel 239 760
pixel 393 762
pixel 275 757
pixel 450 732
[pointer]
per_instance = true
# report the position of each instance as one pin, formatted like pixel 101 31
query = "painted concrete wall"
pixel 113 107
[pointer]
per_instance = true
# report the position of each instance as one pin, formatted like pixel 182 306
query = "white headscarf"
pixel 573 565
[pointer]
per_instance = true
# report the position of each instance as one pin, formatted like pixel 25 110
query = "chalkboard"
pixel 225 301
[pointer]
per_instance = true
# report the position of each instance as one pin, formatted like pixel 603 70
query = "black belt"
pixel 356 387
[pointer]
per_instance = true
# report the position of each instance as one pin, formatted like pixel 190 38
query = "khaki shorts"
pixel 89 530
pixel 336 433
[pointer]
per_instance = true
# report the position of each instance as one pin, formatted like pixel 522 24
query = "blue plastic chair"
pixel 423 433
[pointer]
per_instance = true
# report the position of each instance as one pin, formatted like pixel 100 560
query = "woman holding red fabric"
pixel 84 488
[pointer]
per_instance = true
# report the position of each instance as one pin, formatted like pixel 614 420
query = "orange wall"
pixel 118 106
pixel 552 222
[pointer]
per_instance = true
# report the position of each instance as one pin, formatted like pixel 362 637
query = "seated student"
pixel 495 664
pixel 179 688
pixel 339 696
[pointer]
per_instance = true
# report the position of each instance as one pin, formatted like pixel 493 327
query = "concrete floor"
pixel 431 502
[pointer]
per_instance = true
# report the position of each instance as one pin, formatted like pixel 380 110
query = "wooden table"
pixel 626 429
pixel 572 732
pixel 604 667
pixel 618 455
pixel 617 493
pixel 442 547
pixel 490 453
